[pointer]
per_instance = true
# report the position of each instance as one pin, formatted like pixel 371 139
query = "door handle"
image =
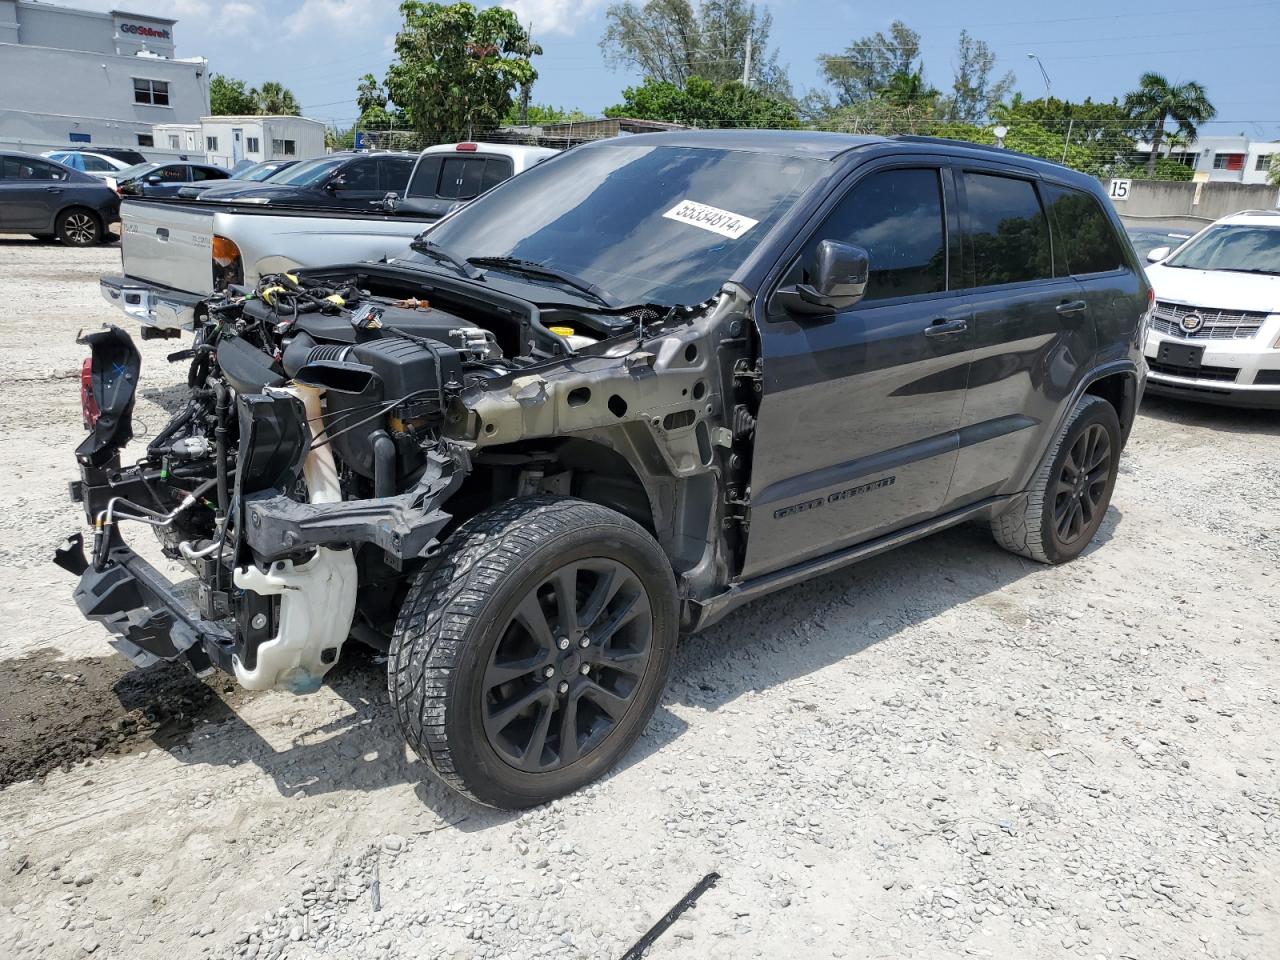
pixel 53 189
pixel 946 328
pixel 1071 306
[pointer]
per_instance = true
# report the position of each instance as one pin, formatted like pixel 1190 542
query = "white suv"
pixel 1214 334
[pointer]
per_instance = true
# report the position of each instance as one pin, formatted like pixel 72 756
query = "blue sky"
pixel 319 48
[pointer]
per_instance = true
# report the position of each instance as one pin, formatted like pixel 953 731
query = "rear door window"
pixel 897 217
pixel 1007 229
pixel 1087 243
pixel 20 168
pixel 207 173
pixel 395 172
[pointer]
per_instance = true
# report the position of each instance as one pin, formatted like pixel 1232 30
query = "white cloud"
pixel 553 16
pixel 332 17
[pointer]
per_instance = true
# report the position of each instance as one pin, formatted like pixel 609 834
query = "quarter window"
pixel 1087 243
pixel 1008 231
pixel 896 216
pixel 154 92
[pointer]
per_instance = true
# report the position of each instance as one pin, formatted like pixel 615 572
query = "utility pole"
pixel 746 65
pixel 524 88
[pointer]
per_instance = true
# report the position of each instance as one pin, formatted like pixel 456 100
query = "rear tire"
pixel 79 227
pixel 1071 491
pixel 529 655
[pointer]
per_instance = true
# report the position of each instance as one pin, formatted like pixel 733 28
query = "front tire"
pixel 529 655
pixel 1071 491
pixel 78 227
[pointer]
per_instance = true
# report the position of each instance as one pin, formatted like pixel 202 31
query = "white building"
pixel 1224 159
pixel 228 140
pixel 84 78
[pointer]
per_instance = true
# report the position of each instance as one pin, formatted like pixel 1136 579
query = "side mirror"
pixel 839 272
pixel 1158 254
pixel 336 183
pixel 153 179
pixel 388 203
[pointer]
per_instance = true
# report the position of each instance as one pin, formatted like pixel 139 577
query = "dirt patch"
pixel 55 713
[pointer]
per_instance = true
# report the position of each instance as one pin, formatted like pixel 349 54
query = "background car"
pixel 253 173
pixel 350 181
pixel 1146 239
pixel 127 154
pixel 98 165
pixel 165 179
pixel 1214 334
pixel 47 199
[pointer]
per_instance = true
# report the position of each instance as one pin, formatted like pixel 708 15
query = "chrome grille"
pixel 1218 324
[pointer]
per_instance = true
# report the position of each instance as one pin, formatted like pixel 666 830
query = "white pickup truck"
pixel 177 253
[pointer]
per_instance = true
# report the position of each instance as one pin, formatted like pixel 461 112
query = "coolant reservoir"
pixel 576 340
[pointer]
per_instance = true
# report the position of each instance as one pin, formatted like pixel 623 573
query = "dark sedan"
pixel 165 179
pixel 46 199
pixel 344 181
pixel 254 173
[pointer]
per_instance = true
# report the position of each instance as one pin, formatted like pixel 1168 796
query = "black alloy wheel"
pixel 78 227
pixel 568 665
pixel 532 650
pixel 1080 493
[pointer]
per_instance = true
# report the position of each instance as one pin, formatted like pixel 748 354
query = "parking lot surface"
pixel 947 751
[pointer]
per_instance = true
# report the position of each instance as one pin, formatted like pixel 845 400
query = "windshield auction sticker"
pixel 723 222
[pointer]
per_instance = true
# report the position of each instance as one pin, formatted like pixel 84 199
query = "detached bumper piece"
pixel 159 309
pixel 149 618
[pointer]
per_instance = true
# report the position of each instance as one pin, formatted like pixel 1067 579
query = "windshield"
pixel 310 172
pixel 258 172
pixel 650 224
pixel 1247 249
pixel 137 170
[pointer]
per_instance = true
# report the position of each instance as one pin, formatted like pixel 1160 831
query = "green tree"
pixel 701 103
pixel 228 97
pixel 1157 101
pixel 457 68
pixel 973 91
pixel 275 98
pixel 910 90
pixel 672 40
pixel 543 113
pixel 1273 170
pixel 370 94
pixel 870 63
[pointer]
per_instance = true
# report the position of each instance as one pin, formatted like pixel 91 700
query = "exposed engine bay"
pixel 339 424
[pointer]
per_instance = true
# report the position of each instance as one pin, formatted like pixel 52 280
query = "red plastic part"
pixel 88 405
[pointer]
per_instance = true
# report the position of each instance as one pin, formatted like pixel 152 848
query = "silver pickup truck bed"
pixel 166 248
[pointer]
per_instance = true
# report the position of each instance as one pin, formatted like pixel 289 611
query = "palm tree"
pixel 275 98
pixel 909 89
pixel 1156 101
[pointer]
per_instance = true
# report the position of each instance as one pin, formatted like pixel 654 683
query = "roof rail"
pixel 1259 213
pixel 985 147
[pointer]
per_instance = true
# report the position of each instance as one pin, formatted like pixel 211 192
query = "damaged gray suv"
pixel 605 404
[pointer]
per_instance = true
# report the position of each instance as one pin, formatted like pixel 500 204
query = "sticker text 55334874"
pixel 724 222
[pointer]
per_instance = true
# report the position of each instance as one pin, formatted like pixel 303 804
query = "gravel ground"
pixel 944 752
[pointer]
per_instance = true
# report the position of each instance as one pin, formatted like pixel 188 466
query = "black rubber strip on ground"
pixel 639 948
